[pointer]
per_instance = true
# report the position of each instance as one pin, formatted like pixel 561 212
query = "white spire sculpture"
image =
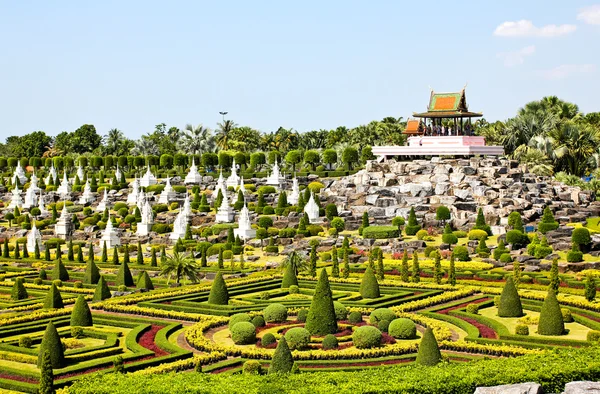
pixel 34 237
pixel 141 200
pixel 103 203
pixel 242 187
pixel 225 213
pixel 19 173
pixel 181 222
pixel 42 205
pixel 145 226
pixel 187 208
pixel 312 209
pixel 118 173
pixel 220 185
pixel 233 180
pixel 30 198
pixel 64 225
pixel 132 198
pixel 148 179
pixel 244 230
pixel 193 176
pixel 64 190
pixel 52 173
pixel 295 195
pixel 80 173
pixel 110 235
pixel 33 182
pixel 275 177
pixel 15 199
pixel 87 197
pixel 168 194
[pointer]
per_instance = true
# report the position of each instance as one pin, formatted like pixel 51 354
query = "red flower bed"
pixel 18 378
pixel 365 364
pixel 147 341
pixel 479 301
pixel 271 346
pixel 484 331
pixel 387 339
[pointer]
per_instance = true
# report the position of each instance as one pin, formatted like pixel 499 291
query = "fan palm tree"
pixel 522 128
pixel 197 140
pixel 145 146
pixel 180 265
pixel 574 145
pixel 113 141
pixel 298 263
pixel 223 135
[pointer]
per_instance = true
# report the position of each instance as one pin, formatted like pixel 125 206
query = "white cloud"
pixel 567 70
pixel 590 15
pixel 512 59
pixel 525 28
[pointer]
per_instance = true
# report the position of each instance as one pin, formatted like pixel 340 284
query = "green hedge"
pixel 379 232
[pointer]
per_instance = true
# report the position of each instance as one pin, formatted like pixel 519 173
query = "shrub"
pixel 51 343
pixel 330 342
pixel 522 329
pixel 366 337
pixel 238 317
pixel 321 315
pixel 548 223
pixel 282 361
pixel 506 258
pixel 517 238
pixel 81 314
pixel 265 221
pixel 429 352
pixel 380 232
pixel 473 308
pixel 369 288
pixel 258 321
pixel 268 339
pixel 477 234
pixel 25 341
pixel 383 325
pixel 403 328
pixel 18 291
pixel 355 317
pixel 398 221
pixel 243 333
pixel 500 250
pixel 461 253
pixel 338 224
pixel 380 314
pixel 551 320
pixel 413 225
pixel 218 291
pixel 53 298
pixel 297 338
pixel 593 336
pixel 275 313
pixel 581 236
pixel 574 255
pixel 251 367
pixel 302 315
pixel 293 289
pixel 480 223
pixel 567 316
pixel 510 302
pixel 341 313
pixel 422 234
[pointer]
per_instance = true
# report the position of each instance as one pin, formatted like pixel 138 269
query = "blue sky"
pixel 306 65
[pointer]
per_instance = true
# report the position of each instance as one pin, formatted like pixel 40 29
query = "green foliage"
pixel 238 317
pixel 429 351
pixel 402 328
pixel 144 281
pixel 282 361
pixel 297 338
pixel 452 272
pixel 581 236
pixel 404 267
pixel 18 291
pixel 366 337
pixel 355 317
pixel 251 367
pixel 218 291
pixel 575 255
pixel 551 319
pixel 448 237
pixel 413 225
pixel 81 314
pixel 416 269
pixel 515 221
pixel 442 213
pixel 477 234
pixel 53 298
pixel 510 302
pixel 341 313
pixel 500 250
pixel 480 223
pixel 51 344
pixel 380 314
pixel 548 223
pixel 369 288
pixel 46 385
pixel 92 273
pixel 258 321
pixel 124 277
pixel 243 333
pixel 461 253
pixel 268 339
pixel 330 342
pixel 321 315
pixel 60 271
pixel 590 288
pixel 102 291
pixel 275 313
pixel 554 278
pixel 522 329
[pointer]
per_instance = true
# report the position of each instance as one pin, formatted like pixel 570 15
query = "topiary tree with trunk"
pixel 321 315
pixel 51 343
pixel 218 291
pixel 282 361
pixel 551 318
pixel 429 351
pixel 102 291
pixel 369 287
pixel 510 302
pixel 81 314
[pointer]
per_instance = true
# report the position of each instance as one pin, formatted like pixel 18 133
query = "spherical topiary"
pixel 302 314
pixel 341 313
pixel 355 317
pixel 258 321
pixel 477 235
pixel 330 342
pixel 366 337
pixel 267 339
pixel 369 288
pixel 593 336
pixel 567 316
pixel 581 236
pixel 251 367
pixel 297 338
pixel 238 317
pixel 403 328
pixel 294 289
pixel 380 314
pixel 522 329
pixel 510 302
pixel 243 333
pixel 383 325
pixel 461 253
pixel 473 308
pixel 506 258
pixel 275 313
pixel 421 234
pixel 429 352
pixel 516 238
pixel 551 320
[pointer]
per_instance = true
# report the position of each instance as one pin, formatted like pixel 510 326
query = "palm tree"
pixel 522 128
pixel 298 263
pixel 575 144
pixel 223 135
pixel 145 146
pixel 180 265
pixel 197 140
pixel 113 141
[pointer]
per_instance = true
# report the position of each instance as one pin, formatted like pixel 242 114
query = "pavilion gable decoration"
pixel 448 105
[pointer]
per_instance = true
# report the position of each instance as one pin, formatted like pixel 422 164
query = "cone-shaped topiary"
pixel 124 277
pixel 551 319
pixel 46 385
pixel 429 352
pixel 18 291
pixel 369 287
pixel 60 272
pixel 144 281
pixel 53 298
pixel 282 361
pixel 51 344
pixel 81 314
pixel 102 291
pixel 218 291
pixel 321 315
pixel 510 302
pixel 92 274
pixel 289 276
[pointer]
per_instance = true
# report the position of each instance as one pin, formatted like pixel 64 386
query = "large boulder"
pixel 521 388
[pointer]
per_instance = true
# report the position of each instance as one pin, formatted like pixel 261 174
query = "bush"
pixel 265 221
pixel 297 338
pixel 383 325
pixel 575 255
pixel 321 315
pixel 369 288
pixel 341 313
pixel 506 258
pixel 581 236
pixel 380 232
pixel 422 234
pixel 461 253
pixel 366 337
pixel 25 341
pixel 330 342
pixel 355 317
pixel 477 235
pixel 282 361
pixel 219 294
pixel 268 339
pixel 293 289
pixel 517 238
pixel 473 308
pixel 81 314
pixel 302 315
pixel 238 317
pixel 522 329
pixel 275 313
pixel 380 314
pixel 251 367
pixel 243 333
pixel 429 352
pixel 258 321
pixel 403 328
pixel 567 316
pixel 548 223
pixel 510 302
pixel 398 221
pixel 551 320
pixel 593 336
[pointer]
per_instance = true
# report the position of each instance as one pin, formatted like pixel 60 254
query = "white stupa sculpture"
pixel 312 209
pixel 64 226
pixel 33 182
pixel 19 173
pixel 181 222
pixel 145 226
pixel 148 179
pixel 141 200
pixel 109 235
pixel 220 185
pixel 52 173
pixel 15 199
pixel 132 198
pixel 193 176
pixel 244 230
pixel 34 237
pixel 233 180
pixel 295 194
pixel 87 197
pixel 30 198
pixel 64 190
pixel 118 173
pixel 242 187
pixel 168 194
pixel 42 205
pixel 225 213
pixel 187 207
pixel 275 177
pixel 80 173
pixel 103 204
